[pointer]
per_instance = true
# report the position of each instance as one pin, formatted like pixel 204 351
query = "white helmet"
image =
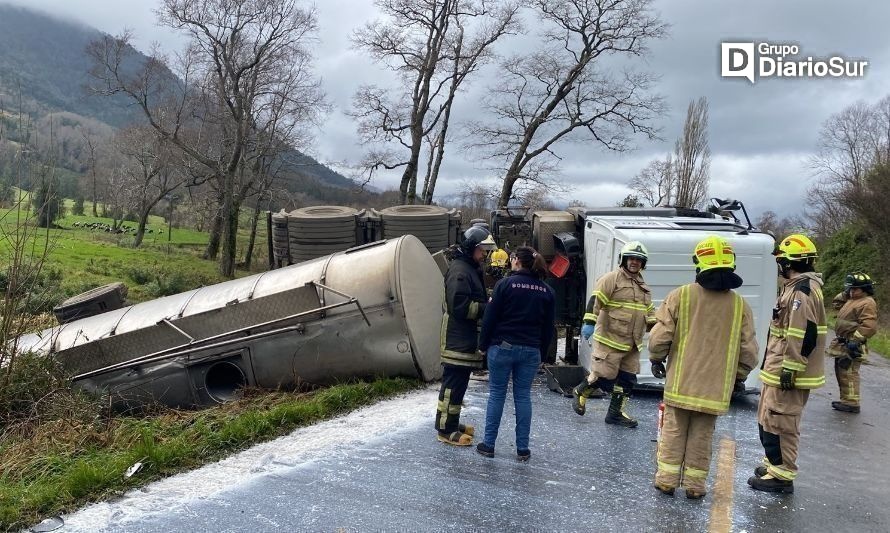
pixel 633 249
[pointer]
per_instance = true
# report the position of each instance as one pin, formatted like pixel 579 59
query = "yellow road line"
pixel 721 508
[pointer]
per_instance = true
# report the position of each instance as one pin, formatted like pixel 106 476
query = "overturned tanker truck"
pixel 369 311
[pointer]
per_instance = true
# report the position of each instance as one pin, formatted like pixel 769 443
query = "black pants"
pixel 455 380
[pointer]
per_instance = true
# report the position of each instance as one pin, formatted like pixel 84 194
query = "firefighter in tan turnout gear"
pixel 618 313
pixel 793 364
pixel 705 330
pixel 857 321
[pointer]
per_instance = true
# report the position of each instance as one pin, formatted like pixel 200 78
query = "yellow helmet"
pixel 713 252
pixel 499 258
pixel 796 247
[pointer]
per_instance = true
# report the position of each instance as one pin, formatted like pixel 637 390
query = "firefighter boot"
pixel 769 483
pixel 846 408
pixel 580 394
pixel 616 414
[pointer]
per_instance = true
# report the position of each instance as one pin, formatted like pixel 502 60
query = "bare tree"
pixel 242 56
pixel 91 142
pixel 692 157
pixel 655 183
pixel 851 143
pixel 149 170
pixel 426 42
pixel 682 178
pixel 779 227
pixel 475 200
pixel 546 96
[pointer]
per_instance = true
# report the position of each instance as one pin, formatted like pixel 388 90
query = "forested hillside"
pixel 45 102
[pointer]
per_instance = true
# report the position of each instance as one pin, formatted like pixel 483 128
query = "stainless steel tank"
pixel 373 310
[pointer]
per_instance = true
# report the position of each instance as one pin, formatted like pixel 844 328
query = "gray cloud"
pixel 760 135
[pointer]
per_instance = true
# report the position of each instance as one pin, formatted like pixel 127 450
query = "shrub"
pixel 849 250
pixel 35 389
pixel 78 206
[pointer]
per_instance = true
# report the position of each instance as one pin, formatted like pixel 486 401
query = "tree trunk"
pixel 212 250
pixel 95 195
pixel 248 256
pixel 406 193
pixel 229 239
pixel 231 206
pixel 140 231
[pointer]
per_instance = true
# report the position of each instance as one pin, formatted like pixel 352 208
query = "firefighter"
pixel 465 300
pixel 705 330
pixel 857 320
pixel 793 363
pixel 619 311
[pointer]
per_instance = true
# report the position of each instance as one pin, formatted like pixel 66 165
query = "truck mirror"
pixel 567 244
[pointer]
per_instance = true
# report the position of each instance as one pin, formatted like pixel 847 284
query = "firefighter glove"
pixel 844 363
pixel 787 379
pixel 739 387
pixel 855 349
pixel 587 331
pixel 658 370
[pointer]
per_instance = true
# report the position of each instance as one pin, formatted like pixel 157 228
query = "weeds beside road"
pixel 53 466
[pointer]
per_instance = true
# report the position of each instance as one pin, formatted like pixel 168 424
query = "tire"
pixel 330 234
pixel 323 214
pixel 414 211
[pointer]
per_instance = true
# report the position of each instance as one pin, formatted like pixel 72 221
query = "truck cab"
pixel 670 240
pixel 582 244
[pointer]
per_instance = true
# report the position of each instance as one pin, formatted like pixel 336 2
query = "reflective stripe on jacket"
pixel 709 342
pixel 464 305
pixel 797 334
pixel 621 307
pixel 857 320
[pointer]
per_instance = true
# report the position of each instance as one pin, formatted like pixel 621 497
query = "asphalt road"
pixel 381 468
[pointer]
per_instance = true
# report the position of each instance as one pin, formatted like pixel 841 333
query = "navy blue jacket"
pixel 521 312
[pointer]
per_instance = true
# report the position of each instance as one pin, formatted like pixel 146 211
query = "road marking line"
pixel 721 508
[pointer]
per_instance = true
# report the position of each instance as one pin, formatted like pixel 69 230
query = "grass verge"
pixel 63 465
pixel 880 343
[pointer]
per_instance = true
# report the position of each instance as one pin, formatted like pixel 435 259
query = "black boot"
pixel 841 406
pixel 771 484
pixel 616 414
pixel 580 394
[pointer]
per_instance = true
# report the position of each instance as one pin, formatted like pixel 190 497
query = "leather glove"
pixel 739 387
pixel 844 363
pixel 587 331
pixel 658 370
pixel 855 349
pixel 787 379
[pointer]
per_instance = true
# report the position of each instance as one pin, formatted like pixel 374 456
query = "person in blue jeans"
pixel 518 324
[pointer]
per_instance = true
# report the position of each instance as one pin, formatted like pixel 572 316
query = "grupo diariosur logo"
pixel 756 61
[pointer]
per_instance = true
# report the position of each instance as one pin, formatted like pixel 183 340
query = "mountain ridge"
pixel 44 69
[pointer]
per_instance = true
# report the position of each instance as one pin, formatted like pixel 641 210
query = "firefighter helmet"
pixel 499 258
pixel 477 236
pixel 713 252
pixel 859 280
pixel 796 247
pixel 633 249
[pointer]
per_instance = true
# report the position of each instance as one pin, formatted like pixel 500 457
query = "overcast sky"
pixel 760 134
